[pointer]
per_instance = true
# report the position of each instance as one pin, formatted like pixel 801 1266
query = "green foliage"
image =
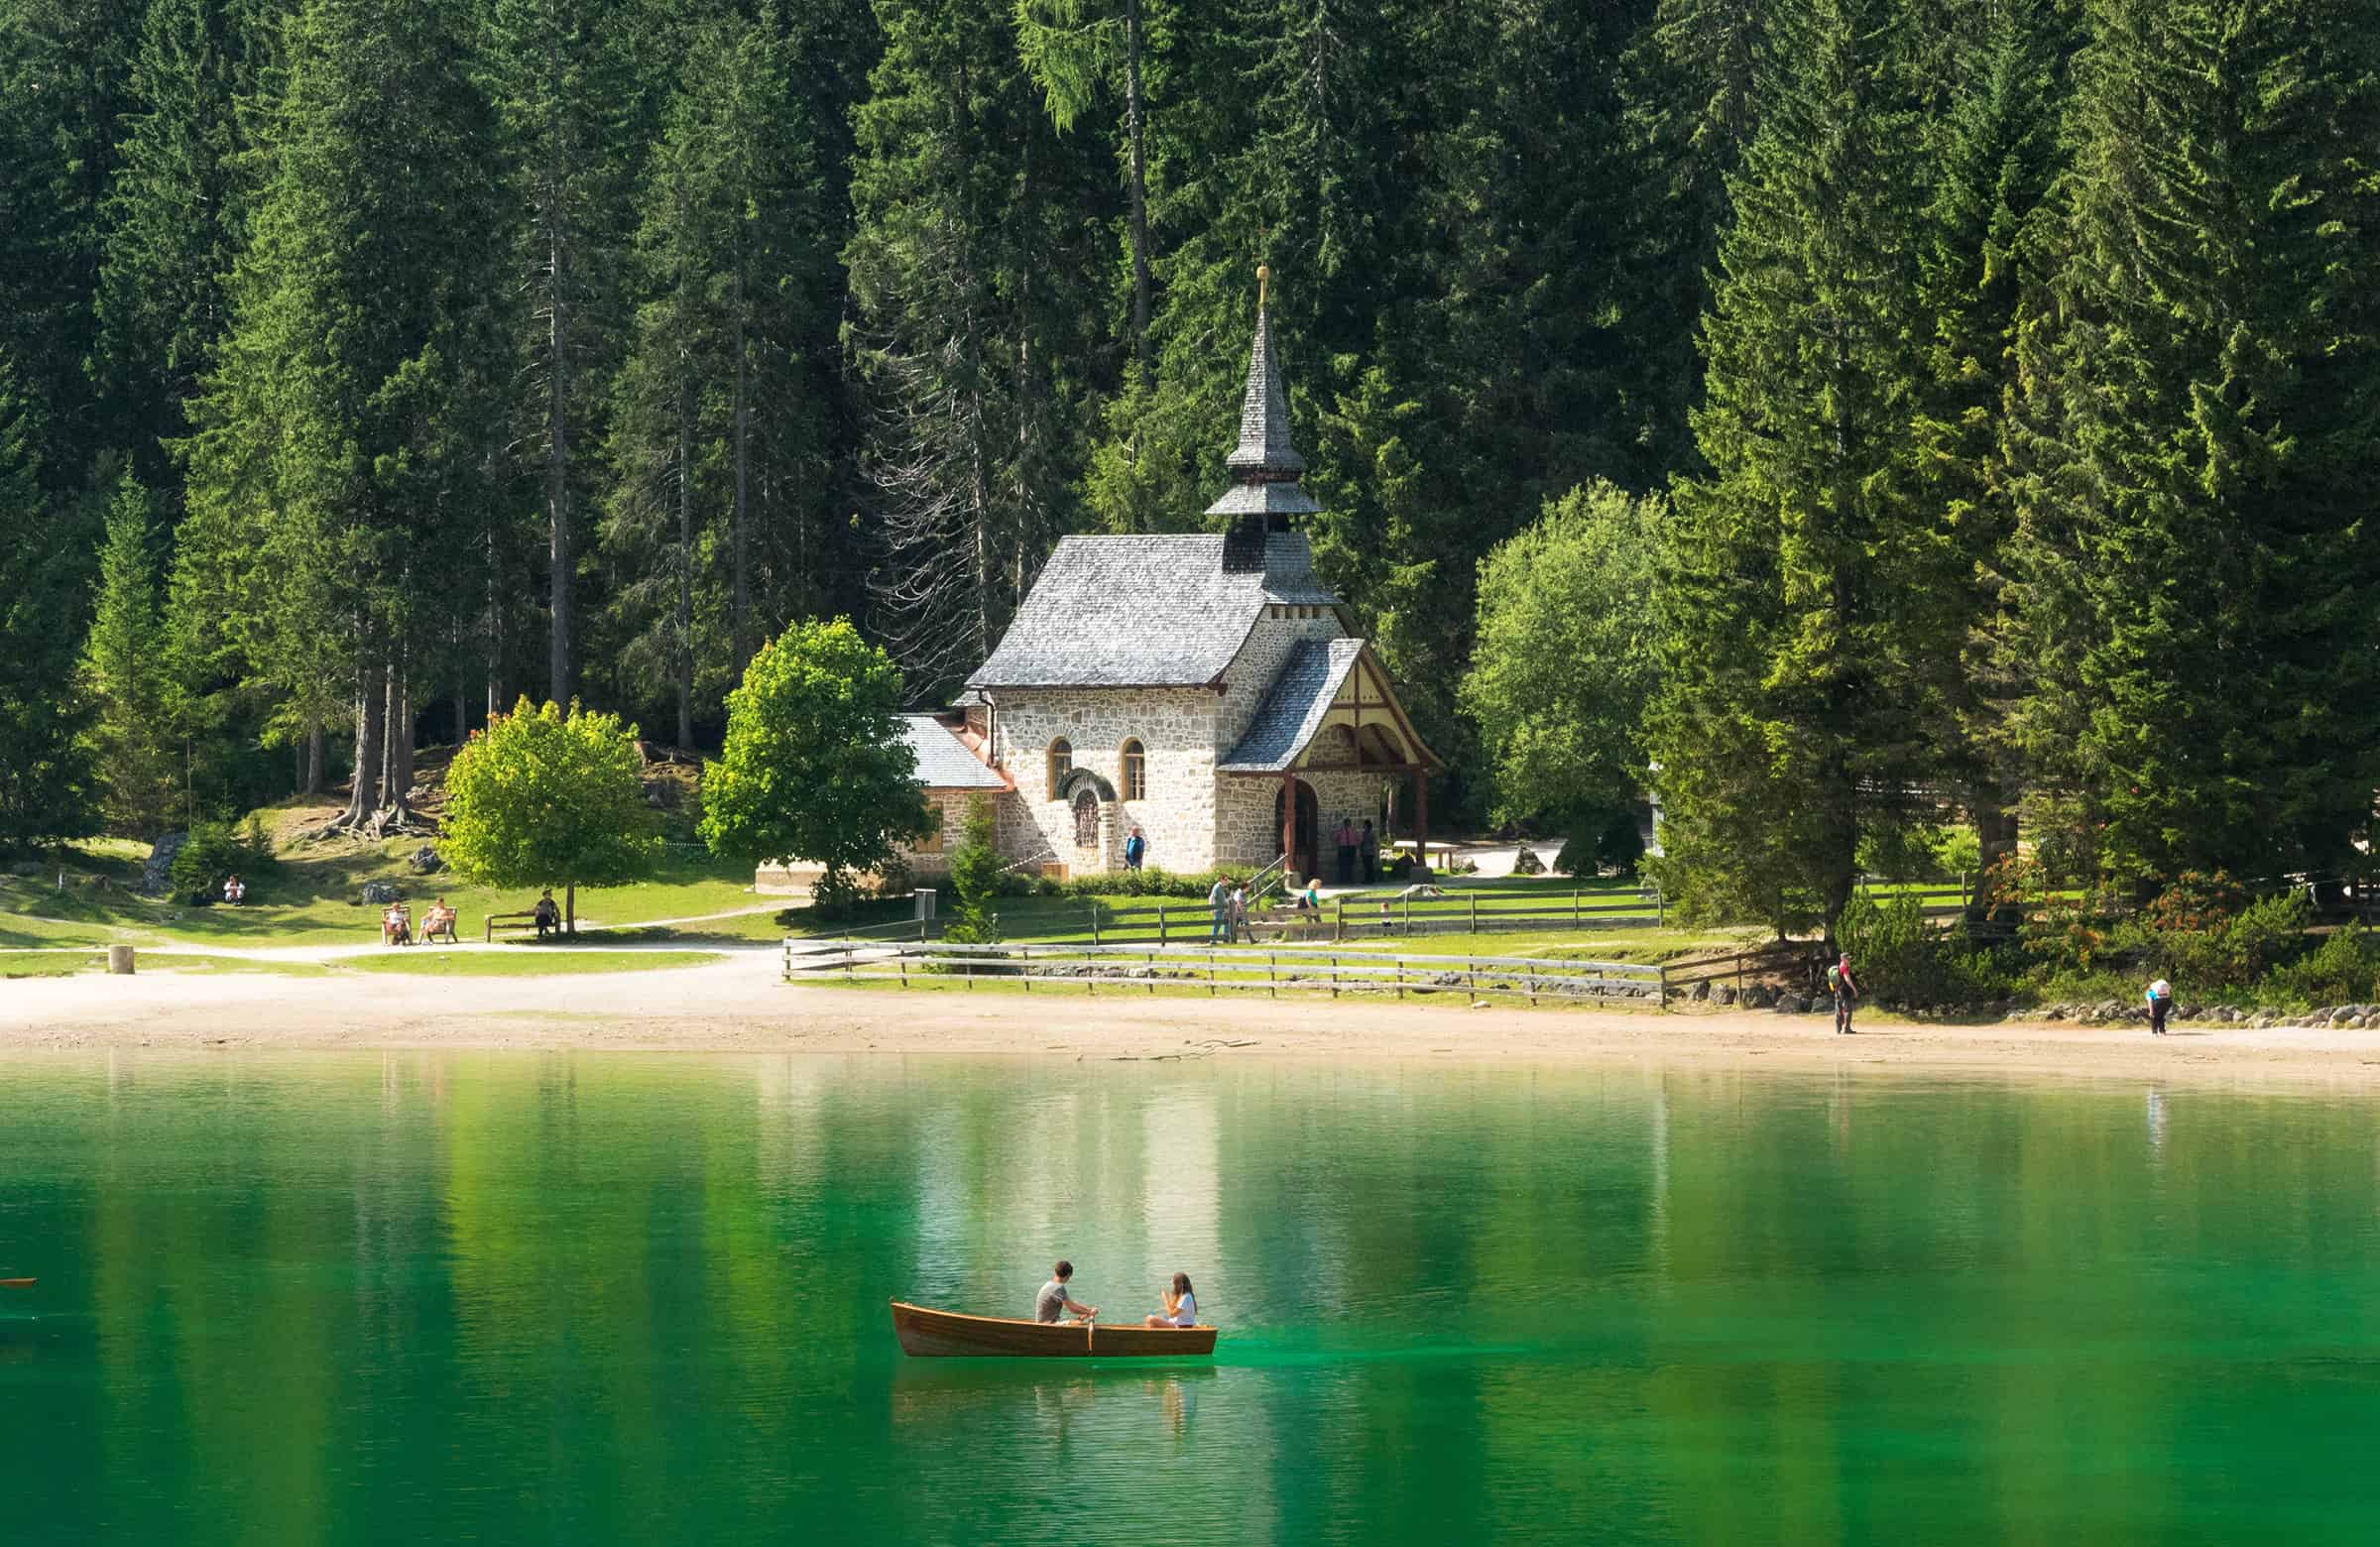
pixel 977 876
pixel 213 851
pixel 1602 840
pixel 1563 665
pixel 1900 958
pixel 546 798
pixel 816 765
pixel 1921 853
pixel 2344 970
pixel 123 674
pixel 43 791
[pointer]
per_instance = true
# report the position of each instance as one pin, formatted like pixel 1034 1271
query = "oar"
pixel 15 1283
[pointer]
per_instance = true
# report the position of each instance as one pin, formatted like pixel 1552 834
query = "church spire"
pixel 1264 465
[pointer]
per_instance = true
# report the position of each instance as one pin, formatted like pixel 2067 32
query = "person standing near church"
pixel 1136 850
pixel 1347 851
pixel 1367 852
pixel 1218 897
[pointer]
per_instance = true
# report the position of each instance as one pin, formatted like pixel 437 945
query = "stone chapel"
pixel 1204 688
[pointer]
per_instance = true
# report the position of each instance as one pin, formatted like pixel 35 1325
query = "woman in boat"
pixel 1181 1305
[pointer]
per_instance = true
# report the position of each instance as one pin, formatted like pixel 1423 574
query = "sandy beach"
pixel 738 1004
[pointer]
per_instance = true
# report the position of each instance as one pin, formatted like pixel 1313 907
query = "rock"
pixel 426 862
pixel 157 874
pixel 1791 1004
pixel 26 868
pixel 1725 994
pixel 382 891
pixel 652 799
pixel 1702 991
pixel 1526 862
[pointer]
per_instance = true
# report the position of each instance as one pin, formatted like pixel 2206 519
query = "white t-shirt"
pixel 1186 1313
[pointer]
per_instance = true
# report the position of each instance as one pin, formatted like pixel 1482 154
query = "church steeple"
pixel 1264 465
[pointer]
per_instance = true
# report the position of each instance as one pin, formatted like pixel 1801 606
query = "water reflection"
pixel 332 1300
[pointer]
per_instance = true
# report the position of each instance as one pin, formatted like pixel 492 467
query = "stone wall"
pixel 1175 727
pixel 1250 837
pixel 930 860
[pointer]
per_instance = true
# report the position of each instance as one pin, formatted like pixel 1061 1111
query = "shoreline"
pixel 737 1005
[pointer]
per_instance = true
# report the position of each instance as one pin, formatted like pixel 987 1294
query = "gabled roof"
pixel 1293 708
pixel 943 761
pixel 1300 702
pixel 1145 612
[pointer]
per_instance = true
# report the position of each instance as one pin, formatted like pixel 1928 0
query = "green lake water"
pixel 514 1298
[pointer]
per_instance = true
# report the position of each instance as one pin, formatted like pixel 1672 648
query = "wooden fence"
pixel 1222 969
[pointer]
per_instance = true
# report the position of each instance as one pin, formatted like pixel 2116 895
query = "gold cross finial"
pixel 1262 273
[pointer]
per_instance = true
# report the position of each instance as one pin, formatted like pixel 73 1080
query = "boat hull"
pixel 932 1334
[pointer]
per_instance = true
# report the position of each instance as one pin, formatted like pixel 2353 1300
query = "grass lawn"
pixel 313 895
pixel 428 961
pixel 49 964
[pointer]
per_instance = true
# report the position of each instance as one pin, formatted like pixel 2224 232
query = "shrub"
pixel 1899 957
pixel 2344 970
pixel 212 852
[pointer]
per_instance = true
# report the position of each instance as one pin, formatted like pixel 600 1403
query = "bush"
pixel 1900 958
pixel 2344 970
pixel 2201 931
pixel 212 852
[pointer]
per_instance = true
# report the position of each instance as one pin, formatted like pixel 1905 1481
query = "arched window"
pixel 1134 784
pixel 1061 763
pixel 1086 820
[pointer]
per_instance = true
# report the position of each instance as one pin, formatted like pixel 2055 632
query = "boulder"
pixel 1702 991
pixel 1791 1004
pixel 382 893
pixel 157 874
pixel 26 868
pixel 426 862
pixel 1725 994
pixel 1526 862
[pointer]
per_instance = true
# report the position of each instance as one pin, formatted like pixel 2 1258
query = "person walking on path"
pixel 1839 978
pixel 1239 929
pixel 1347 851
pixel 1135 849
pixel 1218 897
pixel 2161 998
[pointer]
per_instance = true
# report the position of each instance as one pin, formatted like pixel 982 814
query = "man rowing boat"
pixel 1054 1302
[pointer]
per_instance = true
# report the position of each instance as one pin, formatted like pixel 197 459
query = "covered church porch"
pixel 1329 744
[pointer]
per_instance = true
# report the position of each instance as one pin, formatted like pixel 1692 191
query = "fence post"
pixel 1272 974
pixel 902 957
pixel 1661 986
pixel 1152 975
pixel 1475 913
pixel 1339 918
pixel 1334 976
pixel 1095 923
pixel 1160 928
pixel 1210 969
pixel 847 956
pixel 1576 917
pixel 1660 910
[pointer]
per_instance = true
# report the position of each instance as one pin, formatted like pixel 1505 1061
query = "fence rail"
pixel 1218 970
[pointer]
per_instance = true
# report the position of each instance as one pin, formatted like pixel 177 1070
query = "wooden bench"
pixel 510 921
pixel 443 930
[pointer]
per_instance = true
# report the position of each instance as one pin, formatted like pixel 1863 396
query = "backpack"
pixel 1835 977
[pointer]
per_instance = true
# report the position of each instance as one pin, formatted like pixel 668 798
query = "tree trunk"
pixel 570 907
pixel 1134 112
pixel 312 781
pixel 462 716
pixel 398 737
pixel 740 627
pixel 686 559
pixel 371 713
pixel 557 435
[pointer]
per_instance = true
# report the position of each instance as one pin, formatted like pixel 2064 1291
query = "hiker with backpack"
pixel 1839 979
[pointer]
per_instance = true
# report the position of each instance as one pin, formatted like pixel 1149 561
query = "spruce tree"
pixel 1793 712
pixel 715 440
pixel 130 739
pixel 2194 561
pixel 43 791
pixel 340 455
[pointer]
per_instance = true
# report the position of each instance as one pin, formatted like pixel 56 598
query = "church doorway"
pixel 1305 848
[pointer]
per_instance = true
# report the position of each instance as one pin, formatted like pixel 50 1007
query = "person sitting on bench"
pixel 548 916
pixel 235 890
pixel 439 920
pixel 396 926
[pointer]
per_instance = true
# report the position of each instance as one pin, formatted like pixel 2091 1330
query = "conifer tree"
pixel 1792 715
pixel 2193 559
pixel 42 795
pixel 968 265
pixel 714 441
pixel 340 449
pixel 122 675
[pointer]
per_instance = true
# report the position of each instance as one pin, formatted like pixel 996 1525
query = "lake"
pixel 585 1298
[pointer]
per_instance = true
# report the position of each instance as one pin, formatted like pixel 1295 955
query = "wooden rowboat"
pixel 15 1283
pixel 932 1334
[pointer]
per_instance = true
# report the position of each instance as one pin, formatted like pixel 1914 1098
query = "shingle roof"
pixel 943 761
pixel 1292 710
pixel 1264 464
pixel 1145 612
